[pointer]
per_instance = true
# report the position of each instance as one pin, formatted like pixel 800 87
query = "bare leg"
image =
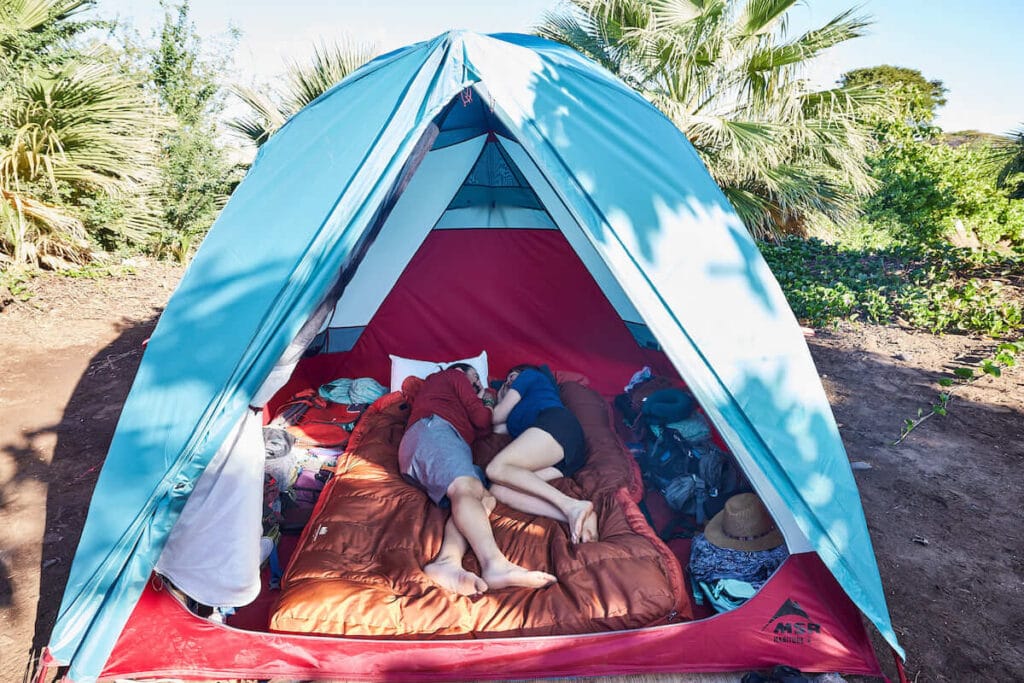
pixel 517 467
pixel 524 502
pixel 471 515
pixel 446 568
pixel 531 505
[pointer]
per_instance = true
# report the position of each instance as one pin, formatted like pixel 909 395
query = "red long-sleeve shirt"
pixel 449 395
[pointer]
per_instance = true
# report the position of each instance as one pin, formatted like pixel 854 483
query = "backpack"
pixel 316 422
pixel 630 403
pixel 667 458
pixel 695 480
pixel 702 492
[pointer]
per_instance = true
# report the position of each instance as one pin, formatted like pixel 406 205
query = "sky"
pixel 975 49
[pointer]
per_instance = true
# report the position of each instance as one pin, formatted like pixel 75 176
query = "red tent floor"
pixel 801 617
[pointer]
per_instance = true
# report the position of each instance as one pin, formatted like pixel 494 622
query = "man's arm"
pixel 480 415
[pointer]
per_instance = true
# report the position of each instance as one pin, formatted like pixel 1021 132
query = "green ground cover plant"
pixel 933 287
pixel 14 286
pixel 1004 357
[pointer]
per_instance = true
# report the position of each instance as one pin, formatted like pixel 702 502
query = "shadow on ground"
pixel 82 438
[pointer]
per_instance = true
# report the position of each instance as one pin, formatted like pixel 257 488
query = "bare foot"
pixel 589 533
pixel 513 575
pixel 454 578
pixel 577 515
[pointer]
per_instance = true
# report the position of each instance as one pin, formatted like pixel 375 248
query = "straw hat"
pixel 744 524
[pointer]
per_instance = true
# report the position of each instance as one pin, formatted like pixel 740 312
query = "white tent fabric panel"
pixel 572 231
pixel 424 200
pixel 423 206
pixel 213 551
pixel 288 361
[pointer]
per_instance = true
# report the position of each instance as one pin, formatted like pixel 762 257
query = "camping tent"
pixel 487 185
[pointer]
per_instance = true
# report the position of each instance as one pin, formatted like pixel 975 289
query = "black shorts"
pixel 566 430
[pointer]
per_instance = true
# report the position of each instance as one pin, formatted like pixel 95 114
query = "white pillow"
pixel 407 367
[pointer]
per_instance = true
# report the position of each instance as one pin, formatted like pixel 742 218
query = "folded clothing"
pixel 362 391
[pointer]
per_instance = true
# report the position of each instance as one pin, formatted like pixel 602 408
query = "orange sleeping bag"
pixel 357 569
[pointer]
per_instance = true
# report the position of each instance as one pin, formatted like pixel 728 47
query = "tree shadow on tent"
pixel 661 219
pixel 203 337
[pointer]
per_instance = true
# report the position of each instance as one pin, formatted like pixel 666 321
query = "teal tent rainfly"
pixel 464 132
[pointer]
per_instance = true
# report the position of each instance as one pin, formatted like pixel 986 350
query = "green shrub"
pixel 933 288
pixel 926 187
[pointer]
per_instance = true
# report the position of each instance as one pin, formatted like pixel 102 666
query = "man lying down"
pixel 451 410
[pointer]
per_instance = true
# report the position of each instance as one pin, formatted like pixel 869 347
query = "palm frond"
pixel 78 130
pixel 752 207
pixel 725 73
pixel 759 17
pixel 809 45
pixel 84 125
pixel 269 111
pixel 580 31
pixel 36 232
pixel 264 118
pixel 331 63
pixel 25 34
pixel 32 15
pixel 673 13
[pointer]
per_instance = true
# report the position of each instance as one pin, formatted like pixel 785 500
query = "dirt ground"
pixel 945 507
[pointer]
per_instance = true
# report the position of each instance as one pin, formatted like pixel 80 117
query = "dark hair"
pixel 520 368
pixel 465 367
pixel 542 369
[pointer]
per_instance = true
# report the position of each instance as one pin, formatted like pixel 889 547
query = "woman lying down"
pixel 453 409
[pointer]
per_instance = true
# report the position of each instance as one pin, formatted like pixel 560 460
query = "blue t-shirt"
pixel 538 393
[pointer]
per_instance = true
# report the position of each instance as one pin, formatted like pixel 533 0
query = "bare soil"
pixel 945 507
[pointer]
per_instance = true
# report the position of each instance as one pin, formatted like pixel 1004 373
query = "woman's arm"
pixel 505 406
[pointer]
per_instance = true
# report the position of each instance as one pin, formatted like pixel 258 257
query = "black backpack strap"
pixel 678 527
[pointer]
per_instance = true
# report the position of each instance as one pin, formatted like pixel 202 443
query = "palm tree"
pixel 1009 158
pixel 304 83
pixel 71 124
pixel 725 72
pixel 26 26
